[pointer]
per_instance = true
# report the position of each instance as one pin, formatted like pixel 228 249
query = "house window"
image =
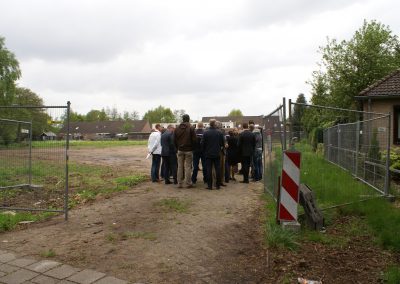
pixel 396 126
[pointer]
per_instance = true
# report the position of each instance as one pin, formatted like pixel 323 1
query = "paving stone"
pixel 18 277
pixel 110 280
pixel 6 257
pixel 3 251
pixel 43 279
pixel 43 266
pixel 8 268
pixel 22 262
pixel 86 276
pixel 2 274
pixel 66 282
pixel 62 271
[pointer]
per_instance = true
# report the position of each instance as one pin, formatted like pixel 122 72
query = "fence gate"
pixel 34 158
pixel 345 152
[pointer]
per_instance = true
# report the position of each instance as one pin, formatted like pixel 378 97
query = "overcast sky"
pixel 206 57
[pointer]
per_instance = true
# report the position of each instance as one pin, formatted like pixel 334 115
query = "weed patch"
pixel 48 253
pixel 174 204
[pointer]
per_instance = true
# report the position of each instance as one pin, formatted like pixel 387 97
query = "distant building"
pixel 100 130
pixel 48 136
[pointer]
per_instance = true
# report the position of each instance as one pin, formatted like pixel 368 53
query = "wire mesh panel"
pixel 33 158
pixel 274 139
pixel 344 152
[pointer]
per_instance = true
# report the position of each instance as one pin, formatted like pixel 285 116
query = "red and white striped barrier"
pixel 289 193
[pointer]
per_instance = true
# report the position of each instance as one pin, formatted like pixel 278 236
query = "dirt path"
pixel 132 237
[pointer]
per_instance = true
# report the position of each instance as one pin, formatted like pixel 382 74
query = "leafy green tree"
pixel 134 115
pixel 349 66
pixel 297 115
pixel 159 114
pixel 93 115
pixel 235 112
pixel 9 74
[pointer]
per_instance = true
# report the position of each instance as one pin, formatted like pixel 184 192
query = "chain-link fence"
pixel 34 158
pixel 344 152
pixel 275 142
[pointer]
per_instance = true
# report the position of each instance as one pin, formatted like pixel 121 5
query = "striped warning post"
pixel 289 195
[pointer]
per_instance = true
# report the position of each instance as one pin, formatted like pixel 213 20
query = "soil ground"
pixel 217 239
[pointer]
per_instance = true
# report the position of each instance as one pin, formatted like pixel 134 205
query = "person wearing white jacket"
pixel 154 148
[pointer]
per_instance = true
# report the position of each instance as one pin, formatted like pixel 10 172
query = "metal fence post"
pixel 387 166
pixel 66 164
pixel 357 147
pixel 30 155
pixel 291 144
pixel 284 124
pixel 339 145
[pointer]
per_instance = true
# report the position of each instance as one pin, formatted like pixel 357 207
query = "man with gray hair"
pixel 185 140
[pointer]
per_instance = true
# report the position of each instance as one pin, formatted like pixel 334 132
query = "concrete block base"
pixel 292 226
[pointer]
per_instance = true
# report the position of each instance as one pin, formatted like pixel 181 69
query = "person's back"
pixel 185 140
pixel 166 138
pixel 213 141
pixel 247 143
pixel 185 137
pixel 198 154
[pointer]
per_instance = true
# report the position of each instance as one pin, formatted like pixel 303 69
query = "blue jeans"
pixel 155 167
pixel 196 160
pixel 257 161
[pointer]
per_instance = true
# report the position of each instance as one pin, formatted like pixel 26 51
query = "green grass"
pixel 139 235
pixel 9 222
pixel 392 275
pixel 174 204
pixel 48 253
pixel 130 180
pixel 275 236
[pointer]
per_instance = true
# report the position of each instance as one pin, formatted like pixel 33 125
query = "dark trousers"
pixel 257 160
pixel 210 162
pixel 169 167
pixel 227 169
pixel 196 160
pixel 245 167
pixel 155 167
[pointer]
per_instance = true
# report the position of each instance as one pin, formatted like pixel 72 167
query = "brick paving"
pixel 26 270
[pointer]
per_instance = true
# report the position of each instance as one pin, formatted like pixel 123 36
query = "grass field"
pixel 85 143
pixel 334 186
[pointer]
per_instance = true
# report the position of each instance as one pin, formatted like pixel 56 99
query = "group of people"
pixel 178 152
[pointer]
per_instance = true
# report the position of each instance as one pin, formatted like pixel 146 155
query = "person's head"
pixel 218 124
pixel 245 125
pixel 231 133
pixel 235 131
pixel 251 127
pixel 213 123
pixel 185 118
pixel 170 127
pixel 251 122
pixel 200 125
pixel 163 129
pixel 158 127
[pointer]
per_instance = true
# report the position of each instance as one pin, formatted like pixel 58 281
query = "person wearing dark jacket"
pixel 233 153
pixel 213 143
pixel 185 141
pixel 198 154
pixel 246 144
pixel 168 152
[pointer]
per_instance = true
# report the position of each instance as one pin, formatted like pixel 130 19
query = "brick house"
pixel 384 97
pixel 97 130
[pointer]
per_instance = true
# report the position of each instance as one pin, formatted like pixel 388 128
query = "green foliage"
pixel 127 127
pixel 297 116
pixel 160 114
pixel 139 235
pixel 316 137
pixel 174 204
pixel 374 150
pixel 9 74
pixel 48 253
pixel 235 112
pixel 349 66
pixel 130 180
pixel 392 275
pixel 10 221
pixel 275 236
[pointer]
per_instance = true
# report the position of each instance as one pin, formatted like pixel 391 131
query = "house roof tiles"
pixel 387 86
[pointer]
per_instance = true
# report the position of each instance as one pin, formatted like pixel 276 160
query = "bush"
pixel 316 136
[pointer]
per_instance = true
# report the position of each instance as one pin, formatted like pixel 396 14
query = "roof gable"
pixel 387 86
pixel 86 127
